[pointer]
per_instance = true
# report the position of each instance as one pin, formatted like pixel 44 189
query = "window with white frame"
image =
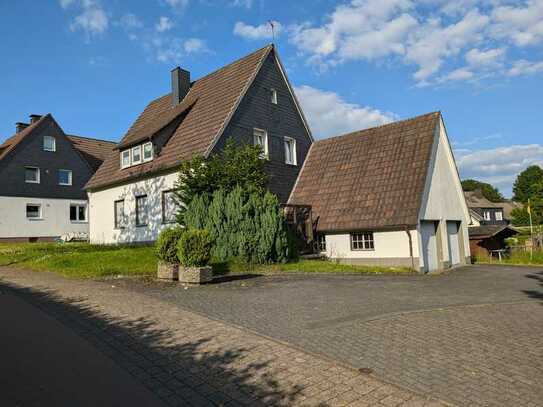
pixel 290 151
pixel 136 155
pixel 141 210
pixel 499 215
pixel 33 211
pixel 273 96
pixel 78 213
pixel 362 241
pixel 148 151
pixel 65 177
pixel 486 215
pixel 169 207
pixel 49 143
pixel 125 158
pixel 321 241
pixel 260 138
pixel 32 175
pixel 120 220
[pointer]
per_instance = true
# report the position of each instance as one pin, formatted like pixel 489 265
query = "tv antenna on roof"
pixel 272 25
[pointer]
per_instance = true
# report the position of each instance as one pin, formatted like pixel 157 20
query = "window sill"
pixel 362 250
pixel 78 221
pixel 142 226
pixel 34 219
pixel 32 182
pixel 291 165
pixel 65 185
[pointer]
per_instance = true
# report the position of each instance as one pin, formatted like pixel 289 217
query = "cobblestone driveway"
pixel 471 337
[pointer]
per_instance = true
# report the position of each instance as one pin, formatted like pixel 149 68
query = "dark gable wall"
pixel 29 152
pixel 283 119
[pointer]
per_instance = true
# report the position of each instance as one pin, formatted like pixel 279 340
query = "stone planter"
pixel 167 271
pixel 195 275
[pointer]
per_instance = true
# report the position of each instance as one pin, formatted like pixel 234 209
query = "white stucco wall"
pixel 389 244
pixel 55 220
pixel 443 199
pixel 102 215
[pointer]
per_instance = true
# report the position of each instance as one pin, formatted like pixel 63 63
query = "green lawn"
pixel 519 258
pixel 87 261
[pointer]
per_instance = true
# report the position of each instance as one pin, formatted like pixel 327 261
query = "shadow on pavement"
pixel 536 294
pixel 191 373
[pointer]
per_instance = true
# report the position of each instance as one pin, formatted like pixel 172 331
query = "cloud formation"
pixel 164 24
pixel 91 19
pixel 259 32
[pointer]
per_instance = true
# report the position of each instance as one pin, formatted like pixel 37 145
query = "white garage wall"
pixel 102 215
pixel 55 219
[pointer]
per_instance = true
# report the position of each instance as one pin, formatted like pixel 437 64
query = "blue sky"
pixel 94 64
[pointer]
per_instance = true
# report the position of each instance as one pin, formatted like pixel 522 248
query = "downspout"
pixel 410 247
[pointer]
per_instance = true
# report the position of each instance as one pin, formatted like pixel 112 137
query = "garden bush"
pixel 194 248
pixel 166 244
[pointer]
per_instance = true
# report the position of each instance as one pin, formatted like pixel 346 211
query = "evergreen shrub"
pixel 194 248
pixel 166 244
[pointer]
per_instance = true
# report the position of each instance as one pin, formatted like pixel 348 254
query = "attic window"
pixel 260 138
pixel 49 143
pixel 290 151
pixel 274 96
pixel 137 155
pixel 125 158
pixel 148 151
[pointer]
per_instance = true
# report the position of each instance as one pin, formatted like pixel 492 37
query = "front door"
pixel 429 245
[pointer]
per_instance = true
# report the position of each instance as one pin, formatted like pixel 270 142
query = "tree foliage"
pixel 243 225
pixel 235 166
pixel 490 192
pixel 528 184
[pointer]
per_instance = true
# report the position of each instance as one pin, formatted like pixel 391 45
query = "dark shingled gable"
pixel 208 106
pixel 94 151
pixel 370 179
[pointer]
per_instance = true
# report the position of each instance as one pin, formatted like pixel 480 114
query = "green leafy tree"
pixel 236 165
pixel 528 184
pixel 490 192
pixel 521 217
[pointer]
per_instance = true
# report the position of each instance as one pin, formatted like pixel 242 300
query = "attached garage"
pixel 428 231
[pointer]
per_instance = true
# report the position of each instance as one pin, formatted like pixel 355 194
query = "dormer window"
pixel 137 155
pixel 125 158
pixel 274 96
pixel 49 144
pixel 148 151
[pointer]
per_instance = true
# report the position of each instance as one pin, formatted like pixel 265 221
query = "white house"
pixel 388 196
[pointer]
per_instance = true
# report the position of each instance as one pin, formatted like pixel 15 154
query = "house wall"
pixel 283 119
pixel 55 219
pixel 391 249
pixel 443 200
pixel 102 215
pixel 29 152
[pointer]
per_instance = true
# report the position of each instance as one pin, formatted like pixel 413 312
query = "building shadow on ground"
pixel 179 373
pixel 536 294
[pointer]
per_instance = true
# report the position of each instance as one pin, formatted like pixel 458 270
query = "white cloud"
pixel 489 58
pixel 460 74
pixel 499 166
pixel 243 3
pixel 195 45
pixel 92 19
pixel 330 115
pixel 173 50
pixel 259 32
pixel 164 24
pixel 523 25
pixel 177 4
pixel 130 21
pixel 66 3
pixel 523 67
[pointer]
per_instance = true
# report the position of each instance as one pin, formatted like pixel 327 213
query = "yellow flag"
pixel 529 209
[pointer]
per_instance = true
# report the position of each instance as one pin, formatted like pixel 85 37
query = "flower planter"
pixel 168 271
pixel 195 275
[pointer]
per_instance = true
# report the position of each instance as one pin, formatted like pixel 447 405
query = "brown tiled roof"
pixel 368 179
pixel 14 140
pixel 211 99
pixel 481 232
pixel 93 151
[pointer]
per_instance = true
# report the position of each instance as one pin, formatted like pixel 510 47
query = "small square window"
pixel 136 155
pixel 125 158
pixel 49 143
pixel 141 210
pixel 499 215
pixel 120 220
pixel 260 138
pixel 64 177
pixel 32 175
pixel 274 96
pixel 290 151
pixel 147 151
pixel 33 211
pixel 486 215
pixel 362 241
pixel 78 213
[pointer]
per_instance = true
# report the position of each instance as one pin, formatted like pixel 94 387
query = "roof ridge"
pixel 91 138
pixel 377 127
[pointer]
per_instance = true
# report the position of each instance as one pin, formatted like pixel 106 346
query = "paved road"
pixel 43 363
pixel 184 359
pixel 473 336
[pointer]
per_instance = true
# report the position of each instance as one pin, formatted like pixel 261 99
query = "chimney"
pixel 20 126
pixel 34 118
pixel 180 85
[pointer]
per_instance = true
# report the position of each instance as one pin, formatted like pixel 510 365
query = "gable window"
pixel 65 177
pixel 486 215
pixel 362 241
pixel 169 207
pixel 499 215
pixel 49 143
pixel 125 158
pixel 32 175
pixel 33 211
pixel 148 151
pixel 260 138
pixel 290 151
pixel 120 220
pixel 136 155
pixel 274 96
pixel 141 210
pixel 78 213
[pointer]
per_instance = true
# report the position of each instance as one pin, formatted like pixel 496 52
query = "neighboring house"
pixel 250 100
pixel 489 225
pixel 387 196
pixel 42 174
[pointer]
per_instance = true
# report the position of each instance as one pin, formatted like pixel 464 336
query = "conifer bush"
pixel 166 244
pixel 194 248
